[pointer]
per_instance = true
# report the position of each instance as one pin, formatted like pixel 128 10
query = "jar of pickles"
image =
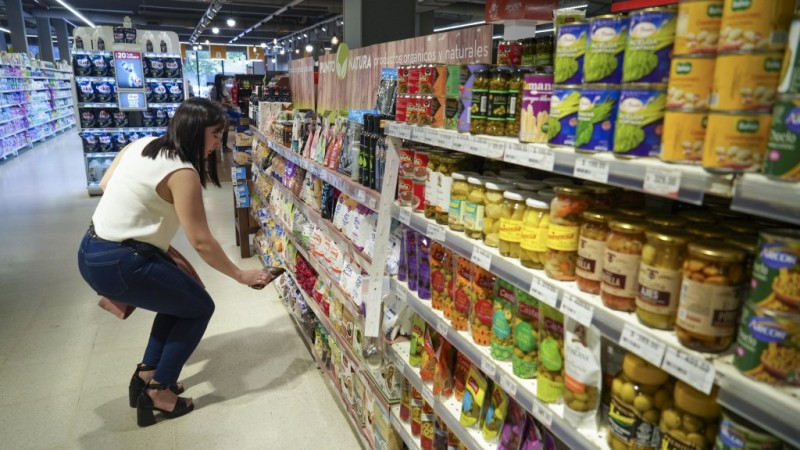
pixel 544 50
pixel 510 234
pixel 480 100
pixel 707 231
pixel 601 196
pixel 515 85
pixel 621 263
pixel 692 423
pixel 497 109
pixel 474 208
pixel 431 185
pixel 459 191
pixel 698 216
pixel 711 296
pixel 592 244
pixel 493 212
pixel 563 233
pixel 638 395
pixel 660 274
pixel 535 223
pixel 447 165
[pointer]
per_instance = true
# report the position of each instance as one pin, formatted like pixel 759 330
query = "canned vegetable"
pixel 639 122
pixel 735 141
pixel 604 49
pixel 597 113
pixel 649 47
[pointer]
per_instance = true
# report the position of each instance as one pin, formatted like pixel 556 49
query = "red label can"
pixel 421 159
pixel 412 82
pixel 400 111
pixel 406 162
pixel 402 80
pixel 419 195
pixel 405 191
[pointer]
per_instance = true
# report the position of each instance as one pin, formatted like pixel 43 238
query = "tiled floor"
pixel 65 364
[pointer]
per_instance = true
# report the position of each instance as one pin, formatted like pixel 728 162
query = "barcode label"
pixel 482 258
pixel 508 385
pixel 692 369
pixel 642 344
pixel 488 367
pixel 577 309
pixel 444 140
pixel 461 142
pixel 591 169
pixel 436 232
pixel 544 292
pixel 542 158
pixel 405 216
pixel 515 153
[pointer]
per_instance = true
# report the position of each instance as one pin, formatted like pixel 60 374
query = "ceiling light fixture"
pixel 309 48
pixel 275 41
pixel 5 30
pixel 263 45
pixel 274 60
pixel 297 51
pixel 305 35
pixel 283 52
pixel 567 8
pixel 459 25
pixel 76 13
pixel 215 30
pixel 324 29
pixel 334 40
pixel 231 22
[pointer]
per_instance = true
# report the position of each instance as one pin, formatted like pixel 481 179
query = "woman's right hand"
pixel 254 277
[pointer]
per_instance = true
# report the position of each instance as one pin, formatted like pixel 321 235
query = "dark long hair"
pixel 218 78
pixel 186 137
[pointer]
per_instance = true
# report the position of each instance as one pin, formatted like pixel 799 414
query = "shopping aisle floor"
pixel 65 364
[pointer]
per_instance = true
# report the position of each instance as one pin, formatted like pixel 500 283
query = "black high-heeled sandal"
pixel 137 385
pixel 145 408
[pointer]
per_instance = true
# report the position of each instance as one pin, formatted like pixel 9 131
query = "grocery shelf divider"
pixel 756 194
pixel 681 182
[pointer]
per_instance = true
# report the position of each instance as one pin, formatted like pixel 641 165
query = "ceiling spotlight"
pixel 215 30
pixel 208 42
pixel 274 60
pixel 275 41
pixel 231 22
pixel 324 29
pixel 283 52
pixel 263 45
pixel 334 40
pixel 305 35
pixel 309 48
pixel 297 51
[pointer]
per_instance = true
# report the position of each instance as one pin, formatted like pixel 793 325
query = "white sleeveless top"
pixel 130 207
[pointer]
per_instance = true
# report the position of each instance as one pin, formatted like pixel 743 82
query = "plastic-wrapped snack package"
pixel 482 310
pixel 339 212
pixel 514 427
pixel 475 399
pixel 402 262
pixel 550 386
pixel 427 366
pixel 318 243
pixel 416 412
pixel 307 191
pixel 360 233
pixel 583 376
pixel 440 435
pixel 393 255
pixel 463 365
pixel 427 422
pixel 405 401
pixel 495 415
pixel 410 245
pixel 372 228
pixel 417 342
pixel 441 262
pixel 337 259
pixel 296 185
pixel 386 91
pixel 347 163
pixel 462 302
pixel 505 300
pixel 326 202
pixel 534 438
pixel 445 366
pixel 423 267
pixel 349 217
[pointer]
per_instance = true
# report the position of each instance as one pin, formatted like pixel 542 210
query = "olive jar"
pixel 660 275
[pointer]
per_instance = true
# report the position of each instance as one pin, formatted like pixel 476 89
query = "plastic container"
pixel 621 259
pixel 563 233
pixel 592 245
pixel 660 275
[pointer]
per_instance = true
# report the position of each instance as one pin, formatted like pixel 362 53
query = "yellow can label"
pixel 698 26
pixel 684 133
pixel 746 81
pixel 510 230
pixel 736 141
pixel 755 24
pixel 690 81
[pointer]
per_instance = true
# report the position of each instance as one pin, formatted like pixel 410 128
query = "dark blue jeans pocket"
pixel 104 272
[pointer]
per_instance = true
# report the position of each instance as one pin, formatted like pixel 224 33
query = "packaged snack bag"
pixel 495 415
pixel 428 361
pixel 417 341
pixel 416 411
pixel 445 366
pixel 405 401
pixel 483 283
pixel 502 344
pixel 462 302
pixel 524 362
pixel 533 436
pixel 427 421
pixel 463 365
pixel 424 267
pixel 441 263
pixel 475 396
pixel 514 427
pixel 583 376
pixel 440 435
pixel 550 386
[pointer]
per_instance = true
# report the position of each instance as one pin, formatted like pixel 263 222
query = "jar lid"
pixel 546 195
pixel 739 226
pixel 632 212
pixel 628 225
pixel 665 220
pixel 507 172
pixel 475 180
pixel 746 242
pixel 718 251
pixel 695 402
pixel 569 190
pixel 516 196
pixel 668 236
pixel 458 176
pixel 707 230
pixel 694 215
pixel 530 185
pixel 498 186
pixel 489 173
pixel 534 202
pixel 641 371
pixel 558 181
pixel 600 189
pixel 597 215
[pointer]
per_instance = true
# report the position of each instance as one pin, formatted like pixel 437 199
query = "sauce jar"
pixel 621 263
pixel 660 274
pixel 698 216
pixel 711 296
pixel 747 243
pixel 474 208
pixel 493 212
pixel 638 395
pixel 459 191
pixel 638 213
pixel 665 220
pixel 692 423
pixel 513 213
pixel 707 231
pixel 563 233
pixel 480 101
pixel 535 223
pixel 602 196
pixel 591 246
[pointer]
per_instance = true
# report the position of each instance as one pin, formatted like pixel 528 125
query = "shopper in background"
pixel 220 94
pixel 153 186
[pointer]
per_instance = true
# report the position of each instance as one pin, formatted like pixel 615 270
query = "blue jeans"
pixel 142 275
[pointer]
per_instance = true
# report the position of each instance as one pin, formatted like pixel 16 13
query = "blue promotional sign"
pixel 130 81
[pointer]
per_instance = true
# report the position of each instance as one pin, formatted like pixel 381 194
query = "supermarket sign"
pixel 301 80
pixel 501 10
pixel 350 78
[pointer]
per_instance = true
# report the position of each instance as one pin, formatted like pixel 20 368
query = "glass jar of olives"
pixel 711 296
pixel 707 231
pixel 515 85
pixel 621 263
pixel 480 102
pixel 665 220
pixel 493 212
pixel 510 234
pixel 447 165
pixel 459 191
pixel 638 395
pixel 563 233
pixel 474 208
pixel 660 274
pixel 431 184
pixel 692 423
pixel 602 196
pixel 497 109
pixel 535 222
pixel 592 244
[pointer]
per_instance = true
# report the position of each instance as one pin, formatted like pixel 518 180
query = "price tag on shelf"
pixel 442 327
pixel 430 136
pixel 474 146
pixel 403 131
pixel 666 182
pixel 461 142
pixel 444 139
pixel 488 367
pixel 391 129
pixel 427 395
pixel 543 414
pixel 436 232
pixel 542 158
pixel 577 309
pixel 400 293
pixel 482 258
pixel 516 153
pixel 694 370
pixel 508 385
pixel 492 148
pixel 642 344
pixel 361 196
pixel 591 169
pixel 405 216
pixel 544 291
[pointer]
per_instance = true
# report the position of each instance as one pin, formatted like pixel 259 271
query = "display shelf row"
pixel 125 129
pixel 361 258
pixel 9 105
pixel 659 347
pixel 101 155
pixel 523 391
pixel 13 119
pixel 48 121
pixel 681 182
pixel 335 392
pixel 115 105
pixel 367 197
pixel 347 301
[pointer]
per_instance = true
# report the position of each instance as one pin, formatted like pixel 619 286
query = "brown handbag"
pixel 123 310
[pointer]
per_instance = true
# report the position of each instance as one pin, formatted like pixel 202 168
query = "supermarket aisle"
pixel 65 364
